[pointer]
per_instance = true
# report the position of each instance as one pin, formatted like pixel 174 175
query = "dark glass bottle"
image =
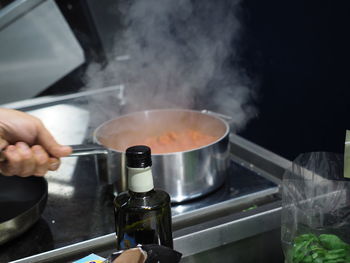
pixel 143 214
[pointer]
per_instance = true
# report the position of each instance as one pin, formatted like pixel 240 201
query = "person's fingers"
pixel 21 160
pixel 12 165
pixel 41 159
pixel 3 143
pixel 54 164
pixel 50 145
pixel 28 162
pixel 62 151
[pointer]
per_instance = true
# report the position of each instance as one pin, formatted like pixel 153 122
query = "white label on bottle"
pixel 140 180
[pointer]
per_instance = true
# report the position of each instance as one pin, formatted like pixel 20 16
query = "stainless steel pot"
pixel 184 175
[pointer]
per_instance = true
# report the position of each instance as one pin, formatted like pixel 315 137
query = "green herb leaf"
pixel 327 248
pixel 332 242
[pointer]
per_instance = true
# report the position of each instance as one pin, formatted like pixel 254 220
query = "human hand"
pixel 27 146
pixel 133 255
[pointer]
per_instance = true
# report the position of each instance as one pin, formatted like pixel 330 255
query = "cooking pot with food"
pixel 190 150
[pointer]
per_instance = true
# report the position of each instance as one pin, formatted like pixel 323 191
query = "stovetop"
pixel 84 209
pixel 79 208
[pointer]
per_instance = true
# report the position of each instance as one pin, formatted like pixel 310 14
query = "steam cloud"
pixel 181 56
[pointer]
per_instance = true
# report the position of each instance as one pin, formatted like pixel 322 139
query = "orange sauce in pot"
pixel 172 141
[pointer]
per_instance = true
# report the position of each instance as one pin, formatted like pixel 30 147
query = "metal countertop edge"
pixel 255 157
pixel 193 242
pixel 220 209
pixel 45 101
pixel 228 231
pixel 70 250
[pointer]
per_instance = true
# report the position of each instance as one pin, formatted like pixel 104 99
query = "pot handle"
pixel 88 149
pixel 227 118
pixel 79 150
pixel 102 160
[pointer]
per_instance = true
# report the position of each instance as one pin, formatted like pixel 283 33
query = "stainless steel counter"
pixel 78 219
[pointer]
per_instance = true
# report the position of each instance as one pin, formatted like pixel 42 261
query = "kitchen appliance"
pixel 37 48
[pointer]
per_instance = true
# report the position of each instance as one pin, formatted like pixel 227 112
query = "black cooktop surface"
pixel 83 209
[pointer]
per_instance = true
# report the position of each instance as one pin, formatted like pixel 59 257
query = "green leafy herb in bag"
pixel 326 248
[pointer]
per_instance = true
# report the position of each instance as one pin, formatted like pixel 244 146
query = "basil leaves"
pixel 325 248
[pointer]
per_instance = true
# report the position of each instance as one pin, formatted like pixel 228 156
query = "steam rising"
pixel 181 55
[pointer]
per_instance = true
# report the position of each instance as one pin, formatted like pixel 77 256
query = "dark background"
pixel 297 53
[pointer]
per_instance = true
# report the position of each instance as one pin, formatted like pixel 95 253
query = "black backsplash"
pixel 298 53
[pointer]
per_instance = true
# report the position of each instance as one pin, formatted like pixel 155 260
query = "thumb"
pixel 3 144
pixel 48 142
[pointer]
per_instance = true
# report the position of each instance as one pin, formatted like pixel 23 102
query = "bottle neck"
pixel 140 180
pixel 141 195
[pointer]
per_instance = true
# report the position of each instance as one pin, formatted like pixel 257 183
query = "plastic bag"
pixel 315 223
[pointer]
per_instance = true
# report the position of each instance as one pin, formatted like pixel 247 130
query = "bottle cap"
pixel 138 156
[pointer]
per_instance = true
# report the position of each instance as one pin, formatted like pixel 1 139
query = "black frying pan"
pixel 22 200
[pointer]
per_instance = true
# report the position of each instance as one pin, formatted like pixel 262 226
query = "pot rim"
pixel 212 115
